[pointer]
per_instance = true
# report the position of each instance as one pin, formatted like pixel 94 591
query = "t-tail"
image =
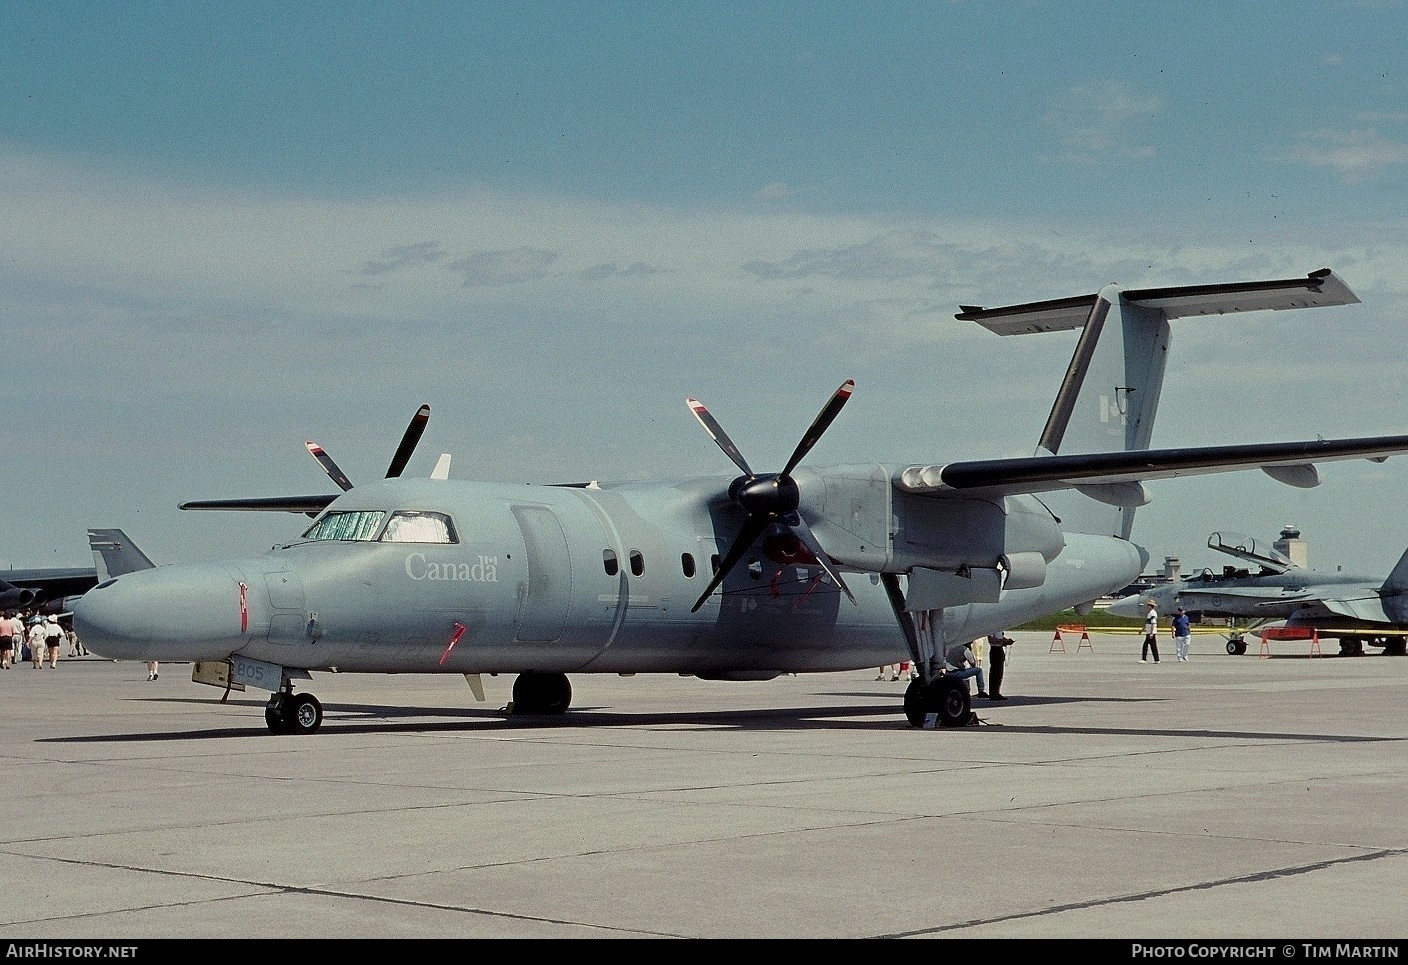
pixel 1110 393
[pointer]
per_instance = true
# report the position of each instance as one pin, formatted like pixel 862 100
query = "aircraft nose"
pixel 1127 606
pixel 181 612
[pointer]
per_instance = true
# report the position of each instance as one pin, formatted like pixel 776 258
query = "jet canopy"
pixel 1246 548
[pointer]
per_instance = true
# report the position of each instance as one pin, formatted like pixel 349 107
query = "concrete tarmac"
pixel 1225 797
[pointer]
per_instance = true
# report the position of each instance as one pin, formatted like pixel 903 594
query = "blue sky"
pixel 226 229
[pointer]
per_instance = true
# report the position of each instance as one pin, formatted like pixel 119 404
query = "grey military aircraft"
pixel 732 577
pixel 57 589
pixel 1356 610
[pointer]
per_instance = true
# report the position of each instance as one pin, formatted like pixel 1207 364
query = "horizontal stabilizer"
pixel 1318 289
pixel 1367 608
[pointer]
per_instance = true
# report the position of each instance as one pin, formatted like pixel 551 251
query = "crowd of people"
pixel 27 636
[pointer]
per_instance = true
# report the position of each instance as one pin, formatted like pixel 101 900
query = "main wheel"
pixel 1351 647
pixel 1236 646
pixel 946 698
pixel 541 693
pixel 303 713
pixel 1396 647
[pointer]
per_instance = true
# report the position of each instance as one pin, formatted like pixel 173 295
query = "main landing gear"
pixel 1236 645
pixel 291 713
pixel 536 692
pixel 945 697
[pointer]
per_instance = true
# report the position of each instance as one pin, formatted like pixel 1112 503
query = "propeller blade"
pixel 717 433
pixel 329 467
pixel 819 425
pixel 753 527
pixel 771 496
pixel 408 442
pixel 803 532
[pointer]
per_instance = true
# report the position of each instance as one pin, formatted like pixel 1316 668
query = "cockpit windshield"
pixel 365 525
pixel 356 525
pixel 409 527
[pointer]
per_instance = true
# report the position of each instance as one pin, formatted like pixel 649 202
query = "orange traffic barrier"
pixel 1059 646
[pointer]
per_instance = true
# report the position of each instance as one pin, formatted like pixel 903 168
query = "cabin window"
pixel 637 563
pixel 714 562
pixel 609 562
pixel 755 569
pixel 687 565
pixel 351 525
pixel 413 527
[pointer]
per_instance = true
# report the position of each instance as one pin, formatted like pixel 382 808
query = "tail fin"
pixel 1110 393
pixel 1394 592
pixel 115 554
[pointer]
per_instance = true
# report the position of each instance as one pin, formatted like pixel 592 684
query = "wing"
pixel 312 505
pixel 1116 477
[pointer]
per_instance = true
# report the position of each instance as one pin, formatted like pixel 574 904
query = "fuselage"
pixel 416 575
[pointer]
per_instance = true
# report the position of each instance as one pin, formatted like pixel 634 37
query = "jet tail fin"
pixel 1109 395
pixel 1394 592
pixel 115 554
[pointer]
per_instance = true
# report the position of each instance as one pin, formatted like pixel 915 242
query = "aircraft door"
pixel 288 619
pixel 543 603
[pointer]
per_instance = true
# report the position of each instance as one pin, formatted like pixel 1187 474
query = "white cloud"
pixel 1356 156
pixel 775 191
pixel 1098 122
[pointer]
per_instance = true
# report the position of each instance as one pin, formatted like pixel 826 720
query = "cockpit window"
pixel 354 525
pixel 409 527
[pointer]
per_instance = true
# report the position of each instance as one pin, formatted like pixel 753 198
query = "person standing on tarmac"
pixel 36 641
pixel 8 623
pixel 1151 632
pixel 1181 635
pixel 997 662
pixel 53 638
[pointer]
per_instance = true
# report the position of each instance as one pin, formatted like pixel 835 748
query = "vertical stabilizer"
pixel 1107 403
pixel 115 554
pixel 1394 592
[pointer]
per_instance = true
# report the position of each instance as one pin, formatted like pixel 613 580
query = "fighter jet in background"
pixel 1270 588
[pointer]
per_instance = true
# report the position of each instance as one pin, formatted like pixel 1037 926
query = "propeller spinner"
pixel 770 498
pixel 398 461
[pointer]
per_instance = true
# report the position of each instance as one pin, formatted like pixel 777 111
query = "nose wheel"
pixel 290 713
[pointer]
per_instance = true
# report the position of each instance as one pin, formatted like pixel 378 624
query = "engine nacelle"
pixel 19 597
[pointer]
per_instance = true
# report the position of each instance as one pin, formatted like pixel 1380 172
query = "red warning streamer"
pixel 454 639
